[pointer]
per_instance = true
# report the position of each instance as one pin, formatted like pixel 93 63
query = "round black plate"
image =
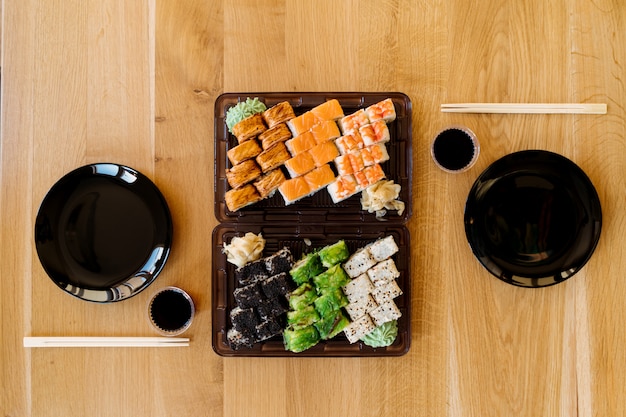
pixel 103 232
pixel 533 218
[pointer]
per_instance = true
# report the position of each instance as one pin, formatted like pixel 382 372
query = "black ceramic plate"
pixel 533 218
pixel 103 232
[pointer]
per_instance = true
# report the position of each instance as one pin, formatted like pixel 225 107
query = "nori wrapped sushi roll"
pixel 302 296
pixel 306 268
pixel 334 254
pixel 333 277
pixel 298 319
pixel 331 325
pixel 299 340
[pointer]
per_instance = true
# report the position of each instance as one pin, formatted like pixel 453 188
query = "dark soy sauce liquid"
pixel 170 310
pixel 453 149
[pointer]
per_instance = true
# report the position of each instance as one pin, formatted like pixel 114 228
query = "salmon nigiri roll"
pixel 324 153
pixel 301 143
pixel 319 177
pixel 294 189
pixel 300 164
pixel 329 110
pixel 383 110
pixel 302 123
pixel 325 130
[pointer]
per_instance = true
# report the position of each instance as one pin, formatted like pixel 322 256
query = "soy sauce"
pixel 170 310
pixel 453 149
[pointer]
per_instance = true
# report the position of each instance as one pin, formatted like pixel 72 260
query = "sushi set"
pixel 303 175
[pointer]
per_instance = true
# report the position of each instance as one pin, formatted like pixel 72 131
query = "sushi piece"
pixel 359 262
pixel 278 113
pixel 351 141
pixel 331 325
pixel 244 151
pixel 343 164
pixel 373 174
pixel 306 268
pixel 298 319
pixel 251 272
pixel 278 285
pixel 325 131
pixel 359 328
pixel 319 177
pixel 271 308
pixel 361 307
pixel 299 340
pixel 333 278
pixel 268 183
pixel 277 133
pixel 302 296
pixel 383 272
pixel 324 153
pixel 244 320
pixel 268 329
pixel 334 254
pixel 281 261
pixel 383 248
pixel 273 157
pixel 238 198
pixel 237 340
pixel 361 179
pixel 302 123
pixel 376 132
pixel 386 292
pixel 249 296
pixel 242 173
pixel 294 189
pixel 358 287
pixel 342 188
pixel 383 110
pixel 329 110
pixel 329 302
pixel 249 128
pixel 378 153
pixel 301 143
pixel 353 121
pixel 385 312
pixel 300 164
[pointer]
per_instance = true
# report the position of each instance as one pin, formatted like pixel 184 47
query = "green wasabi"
pixel 383 335
pixel 242 110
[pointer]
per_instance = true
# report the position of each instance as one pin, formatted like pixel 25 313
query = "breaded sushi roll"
pixel 249 128
pixel 244 151
pixel 273 135
pixel 273 157
pixel 278 113
pixel 242 173
pixel 238 198
pixel 268 183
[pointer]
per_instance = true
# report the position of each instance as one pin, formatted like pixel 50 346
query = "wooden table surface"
pixel 135 83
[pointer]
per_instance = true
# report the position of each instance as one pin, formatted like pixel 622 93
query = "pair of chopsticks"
pixel 81 341
pixel 529 108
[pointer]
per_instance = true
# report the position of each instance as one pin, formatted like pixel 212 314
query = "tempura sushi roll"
pixel 359 328
pixel 383 248
pixel 324 153
pixel 342 188
pixel 277 133
pixel 249 127
pixel 349 142
pixel 273 157
pixel 319 178
pixel 385 312
pixel 358 287
pixel 329 110
pixel 383 110
pixel 302 123
pixel 325 131
pixel 353 121
pixel 376 132
pixel 294 189
pixel 244 151
pixel 242 173
pixel 383 272
pixel 301 143
pixel 300 164
pixel 267 184
pixel 278 113
pixel 359 262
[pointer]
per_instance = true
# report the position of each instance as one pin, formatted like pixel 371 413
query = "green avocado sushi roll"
pixel 334 254
pixel 333 277
pixel 306 268
pixel 331 301
pixel 298 340
pixel 302 296
pixel 331 325
pixel 304 317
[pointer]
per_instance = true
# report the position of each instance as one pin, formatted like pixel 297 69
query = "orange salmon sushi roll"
pixel 325 130
pixel 329 110
pixel 383 110
pixel 353 121
pixel 349 142
pixel 301 143
pixel 374 173
pixel 342 188
pixel 294 189
pixel 324 153
pixel 300 164
pixel 302 123
pixel 319 178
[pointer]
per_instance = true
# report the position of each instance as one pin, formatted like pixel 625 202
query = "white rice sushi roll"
pixel 376 132
pixel 345 186
pixel 383 272
pixel 385 312
pixel 361 307
pixel 359 287
pixel 353 121
pixel 383 248
pixel 360 262
pixel 359 328
pixel 383 110
pixel 387 292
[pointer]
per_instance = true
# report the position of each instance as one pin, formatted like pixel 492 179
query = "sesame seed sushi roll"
pixel 383 110
pixel 383 272
pixel 359 328
pixel 249 128
pixel 376 132
pixel 325 130
pixel 353 121
pixel 358 287
pixel 267 184
pixel 300 164
pixel 242 173
pixel 294 189
pixel 324 153
pixel 386 292
pixel 359 262
pixel 342 188
pixel 301 143
pixel 278 113
pixel 383 248
pixel 302 123
pixel 277 133
pixel 349 142
pixel 244 151
pixel 319 177
pixel 329 110
pixel 361 307
pixel 385 312
pixel 273 157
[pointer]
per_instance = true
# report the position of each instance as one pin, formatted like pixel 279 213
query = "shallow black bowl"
pixel 103 232
pixel 533 218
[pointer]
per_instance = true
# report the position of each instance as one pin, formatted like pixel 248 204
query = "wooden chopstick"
pixel 81 341
pixel 531 108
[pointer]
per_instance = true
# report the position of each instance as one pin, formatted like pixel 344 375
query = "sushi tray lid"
pixel 318 208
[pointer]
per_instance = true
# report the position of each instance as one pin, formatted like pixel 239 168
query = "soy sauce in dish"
pixel 170 310
pixel 453 149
